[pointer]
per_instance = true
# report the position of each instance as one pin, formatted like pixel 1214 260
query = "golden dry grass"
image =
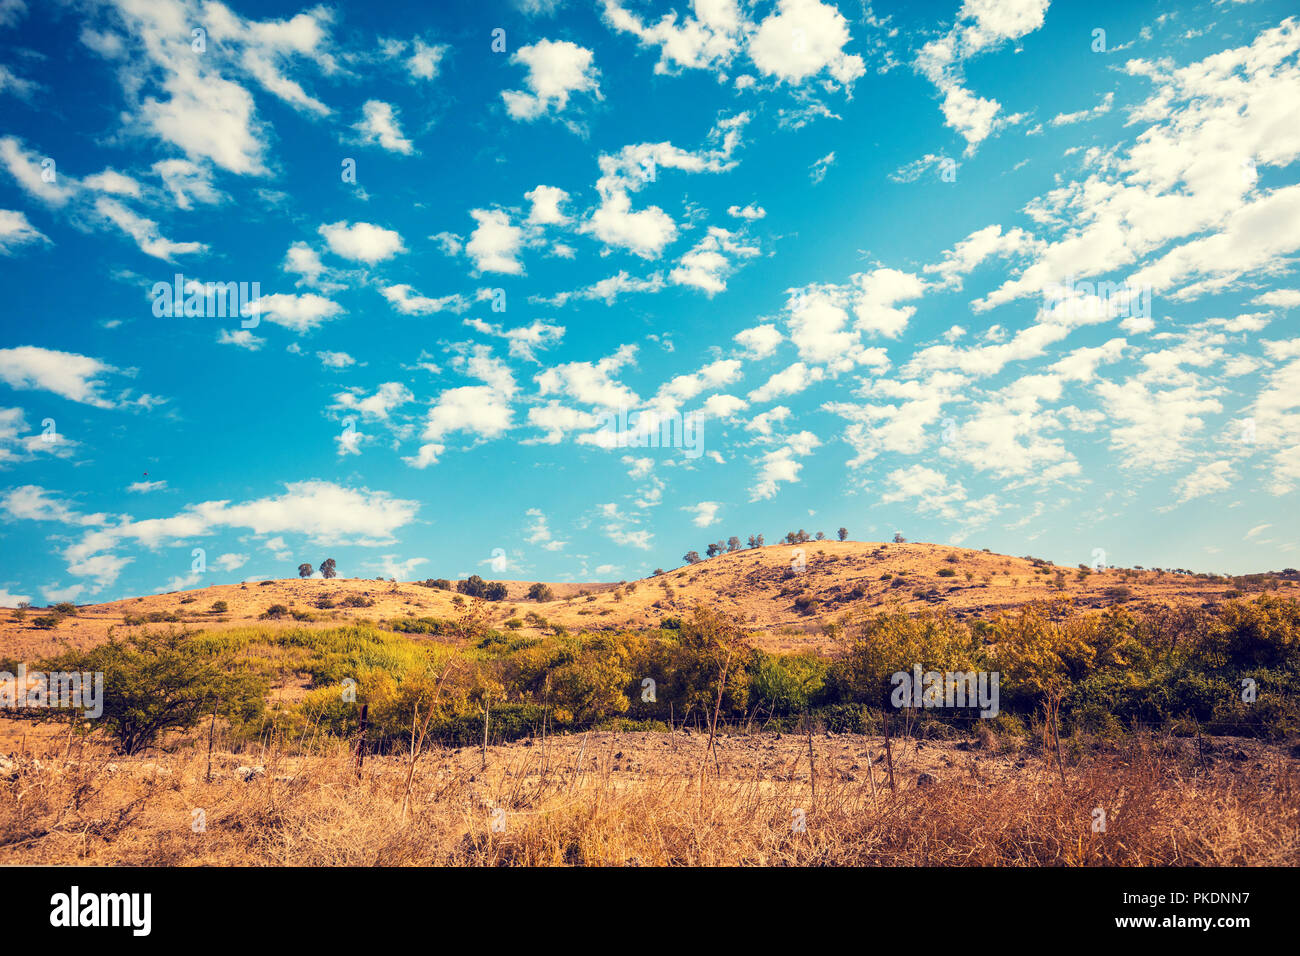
pixel 753 585
pixel 640 799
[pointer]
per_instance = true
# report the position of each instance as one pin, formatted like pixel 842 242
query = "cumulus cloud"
pixel 78 378
pixel 299 313
pixel 495 243
pixel 705 512
pixel 323 512
pixel 556 70
pixel 781 465
pixel 362 241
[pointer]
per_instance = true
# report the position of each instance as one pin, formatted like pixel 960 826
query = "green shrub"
pixel 155 683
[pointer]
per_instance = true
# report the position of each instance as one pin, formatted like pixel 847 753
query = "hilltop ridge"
pixel 787 606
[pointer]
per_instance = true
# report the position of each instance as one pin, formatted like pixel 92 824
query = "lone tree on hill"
pixel 327 568
pixel 843 533
pixel 305 570
pixel 473 585
pixel 898 538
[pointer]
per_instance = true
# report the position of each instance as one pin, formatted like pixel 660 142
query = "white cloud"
pixel 621 528
pixel 409 302
pixel 780 465
pixel 30 171
pixel 143 231
pixel 525 340
pixel 760 341
pixel 791 380
pixel 539 532
pixel 231 561
pixel 495 243
pixel 981 26
pixel 546 206
pixel 67 374
pixel 1101 109
pixel 16 231
pixel 802 39
pixel 706 266
pixel 188 182
pixel 556 70
pixel 242 338
pixel 709 39
pixel 480 410
pixel 388 396
pixel 706 513
pixel 425 59
pixel 820 167
pixel 1205 480
pixel 362 241
pixel 647 231
pixel 592 383
pixel 336 359
pixel 1279 298
pixel 935 494
pixel 324 512
pixel 300 313
pixel 607 290
pixel 378 124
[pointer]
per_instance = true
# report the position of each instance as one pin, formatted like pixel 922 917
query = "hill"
pixel 786 605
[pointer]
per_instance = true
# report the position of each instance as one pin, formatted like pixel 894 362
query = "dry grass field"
pixel 661 799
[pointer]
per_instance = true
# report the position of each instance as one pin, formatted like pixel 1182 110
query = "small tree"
pixel 691 557
pixel 154 683
pixel 733 543
pixel 496 591
pixel 305 570
pixel 540 592
pixel 474 586
pixel 821 535
pixel 898 538
pixel 711 550
pixel 843 533
pixel 327 568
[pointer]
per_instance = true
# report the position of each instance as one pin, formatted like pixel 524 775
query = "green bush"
pixel 155 683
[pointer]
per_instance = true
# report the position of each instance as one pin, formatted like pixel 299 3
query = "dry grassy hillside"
pixel 786 607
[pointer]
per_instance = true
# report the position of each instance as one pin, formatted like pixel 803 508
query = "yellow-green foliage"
pixel 1161 667
pixel 885 643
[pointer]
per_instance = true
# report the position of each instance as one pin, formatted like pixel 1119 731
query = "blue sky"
pixel 1008 275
